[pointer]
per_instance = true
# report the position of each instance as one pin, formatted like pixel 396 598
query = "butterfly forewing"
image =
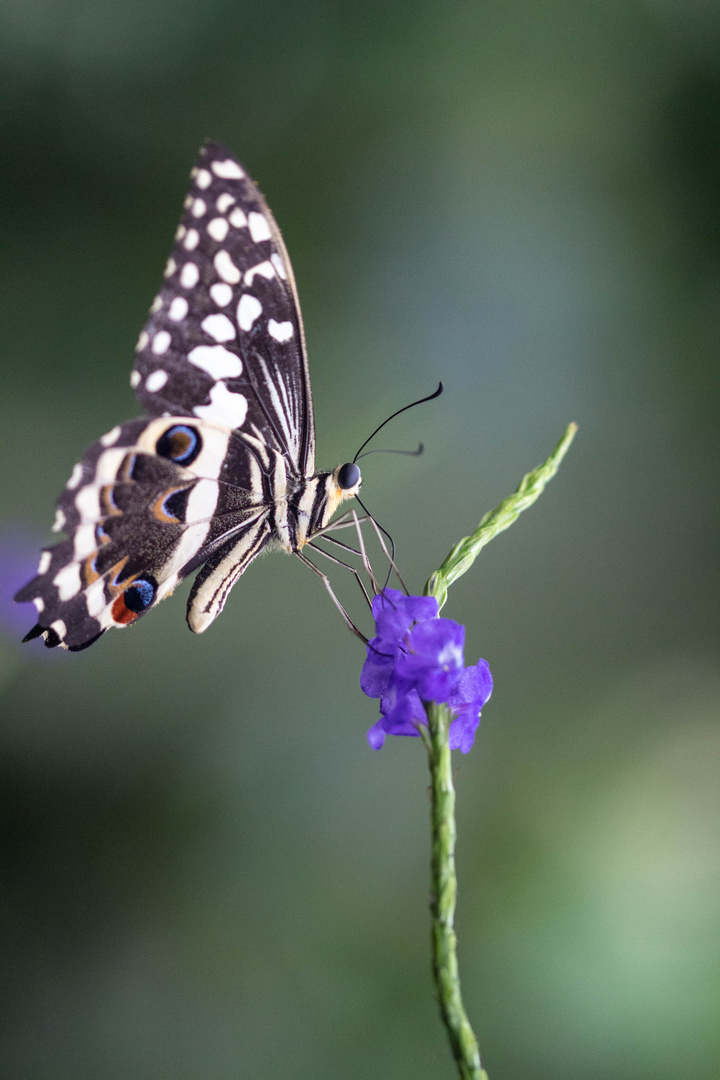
pixel 224 339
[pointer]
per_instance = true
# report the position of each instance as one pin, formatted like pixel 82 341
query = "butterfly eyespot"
pixel 180 443
pixel 140 594
pixel 348 475
pixel 134 600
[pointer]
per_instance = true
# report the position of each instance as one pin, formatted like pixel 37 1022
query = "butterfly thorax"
pixel 309 509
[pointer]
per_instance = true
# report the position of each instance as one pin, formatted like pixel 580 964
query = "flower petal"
pixel 377 669
pixel 474 686
pixel 462 730
pixel 394 613
pixel 435 661
pixel 376 735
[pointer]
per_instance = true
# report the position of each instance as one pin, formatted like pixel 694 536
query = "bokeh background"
pixel 205 871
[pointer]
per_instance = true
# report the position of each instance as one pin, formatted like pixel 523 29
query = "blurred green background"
pixel 206 872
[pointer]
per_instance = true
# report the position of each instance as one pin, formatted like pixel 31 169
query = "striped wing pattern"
pixel 222 371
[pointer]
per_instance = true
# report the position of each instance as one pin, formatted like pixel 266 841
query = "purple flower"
pixel 415 657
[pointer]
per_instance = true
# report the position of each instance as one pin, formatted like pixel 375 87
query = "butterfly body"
pixel 224 466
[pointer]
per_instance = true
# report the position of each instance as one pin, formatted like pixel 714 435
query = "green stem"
pixel 464 553
pixel 443 890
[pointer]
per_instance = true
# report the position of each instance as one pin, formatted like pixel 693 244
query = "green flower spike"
pixel 443 890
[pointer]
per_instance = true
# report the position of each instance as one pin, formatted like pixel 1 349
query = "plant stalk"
pixel 443 891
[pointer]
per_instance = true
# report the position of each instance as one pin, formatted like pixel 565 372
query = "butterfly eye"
pixel 348 476
pixel 140 594
pixel 180 443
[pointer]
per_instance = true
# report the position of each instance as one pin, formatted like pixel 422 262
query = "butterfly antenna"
pixel 408 453
pixel 405 408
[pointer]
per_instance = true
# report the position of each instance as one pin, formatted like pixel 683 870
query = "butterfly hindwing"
pixel 224 339
pixel 146 506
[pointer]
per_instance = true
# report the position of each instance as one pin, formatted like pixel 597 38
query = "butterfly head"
pixel 348 478
pixel 321 498
pixel 342 484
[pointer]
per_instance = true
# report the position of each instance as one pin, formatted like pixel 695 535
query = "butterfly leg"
pixel 346 566
pixel 390 558
pixel 326 582
pixel 363 552
pixel 351 520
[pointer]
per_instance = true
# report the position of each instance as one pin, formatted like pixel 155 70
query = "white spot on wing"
pixel 237 219
pixel 203 179
pixel 226 268
pixel 156 380
pixel 225 407
pixel 44 564
pixel 219 327
pixel 75 476
pixel 180 232
pixel 189 276
pixel 192 240
pixel 198 208
pixel 218 229
pixel 227 170
pixel 221 293
pixel 259 228
pixel 265 269
pixel 156 305
pixel 279 265
pixel 84 541
pixel 141 341
pixel 217 361
pixel 68 581
pixel 178 309
pixel 248 310
pixel 106 470
pixel 59 523
pixel 39 604
pixel 224 201
pixel 87 503
pixel 95 598
pixel 281 331
pixel 134 378
pixel 202 501
pixel 59 627
pixel 170 267
pixel 112 436
pixel 161 343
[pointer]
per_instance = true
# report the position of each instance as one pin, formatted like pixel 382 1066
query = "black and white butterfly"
pixel 225 465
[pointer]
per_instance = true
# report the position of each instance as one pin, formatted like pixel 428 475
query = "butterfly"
pixel 224 464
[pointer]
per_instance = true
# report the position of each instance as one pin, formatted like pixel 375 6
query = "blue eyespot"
pixel 140 594
pixel 348 475
pixel 180 443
